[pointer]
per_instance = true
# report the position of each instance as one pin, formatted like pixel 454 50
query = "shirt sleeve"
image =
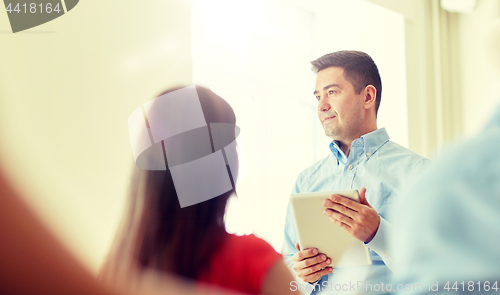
pixel 379 243
pixel 261 258
pixel 416 173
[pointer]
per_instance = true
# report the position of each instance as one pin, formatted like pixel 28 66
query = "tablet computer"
pixel 316 230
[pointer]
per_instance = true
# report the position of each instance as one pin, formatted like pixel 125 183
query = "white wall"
pixel 257 56
pixel 380 32
pixel 480 80
pixel 66 91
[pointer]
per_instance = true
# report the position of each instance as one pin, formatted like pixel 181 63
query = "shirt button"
pixel 367 154
pixel 350 167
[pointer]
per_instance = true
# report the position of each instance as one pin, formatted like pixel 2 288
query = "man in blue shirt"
pixel 348 89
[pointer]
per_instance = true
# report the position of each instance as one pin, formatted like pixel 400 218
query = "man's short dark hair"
pixel 359 69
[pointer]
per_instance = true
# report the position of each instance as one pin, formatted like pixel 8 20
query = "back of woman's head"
pixel 164 235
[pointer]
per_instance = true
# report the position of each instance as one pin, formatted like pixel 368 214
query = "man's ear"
pixel 370 96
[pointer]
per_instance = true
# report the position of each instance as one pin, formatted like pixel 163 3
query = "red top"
pixel 242 264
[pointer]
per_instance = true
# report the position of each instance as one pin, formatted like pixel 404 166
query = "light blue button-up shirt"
pixel 383 167
pixel 448 240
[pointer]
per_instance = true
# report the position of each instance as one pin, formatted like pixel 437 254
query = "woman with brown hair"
pixel 162 235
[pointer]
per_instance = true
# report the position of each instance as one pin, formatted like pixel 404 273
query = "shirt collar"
pixel 370 143
pixel 337 152
pixel 374 140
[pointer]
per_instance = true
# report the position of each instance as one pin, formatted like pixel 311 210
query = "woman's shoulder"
pixel 242 263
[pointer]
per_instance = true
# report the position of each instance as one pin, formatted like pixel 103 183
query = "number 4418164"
pixel 471 286
pixel 32 8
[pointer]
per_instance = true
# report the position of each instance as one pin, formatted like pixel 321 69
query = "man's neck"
pixel 345 145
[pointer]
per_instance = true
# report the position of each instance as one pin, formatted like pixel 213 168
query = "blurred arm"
pixel 278 280
pixel 32 261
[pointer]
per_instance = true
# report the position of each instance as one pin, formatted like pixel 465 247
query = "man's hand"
pixel 359 219
pixel 309 265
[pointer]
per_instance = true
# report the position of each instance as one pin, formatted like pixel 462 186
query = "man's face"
pixel 340 109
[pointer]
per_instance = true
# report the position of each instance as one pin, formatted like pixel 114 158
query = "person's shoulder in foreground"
pixel 447 233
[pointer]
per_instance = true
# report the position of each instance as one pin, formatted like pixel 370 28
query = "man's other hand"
pixel 360 220
pixel 309 265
